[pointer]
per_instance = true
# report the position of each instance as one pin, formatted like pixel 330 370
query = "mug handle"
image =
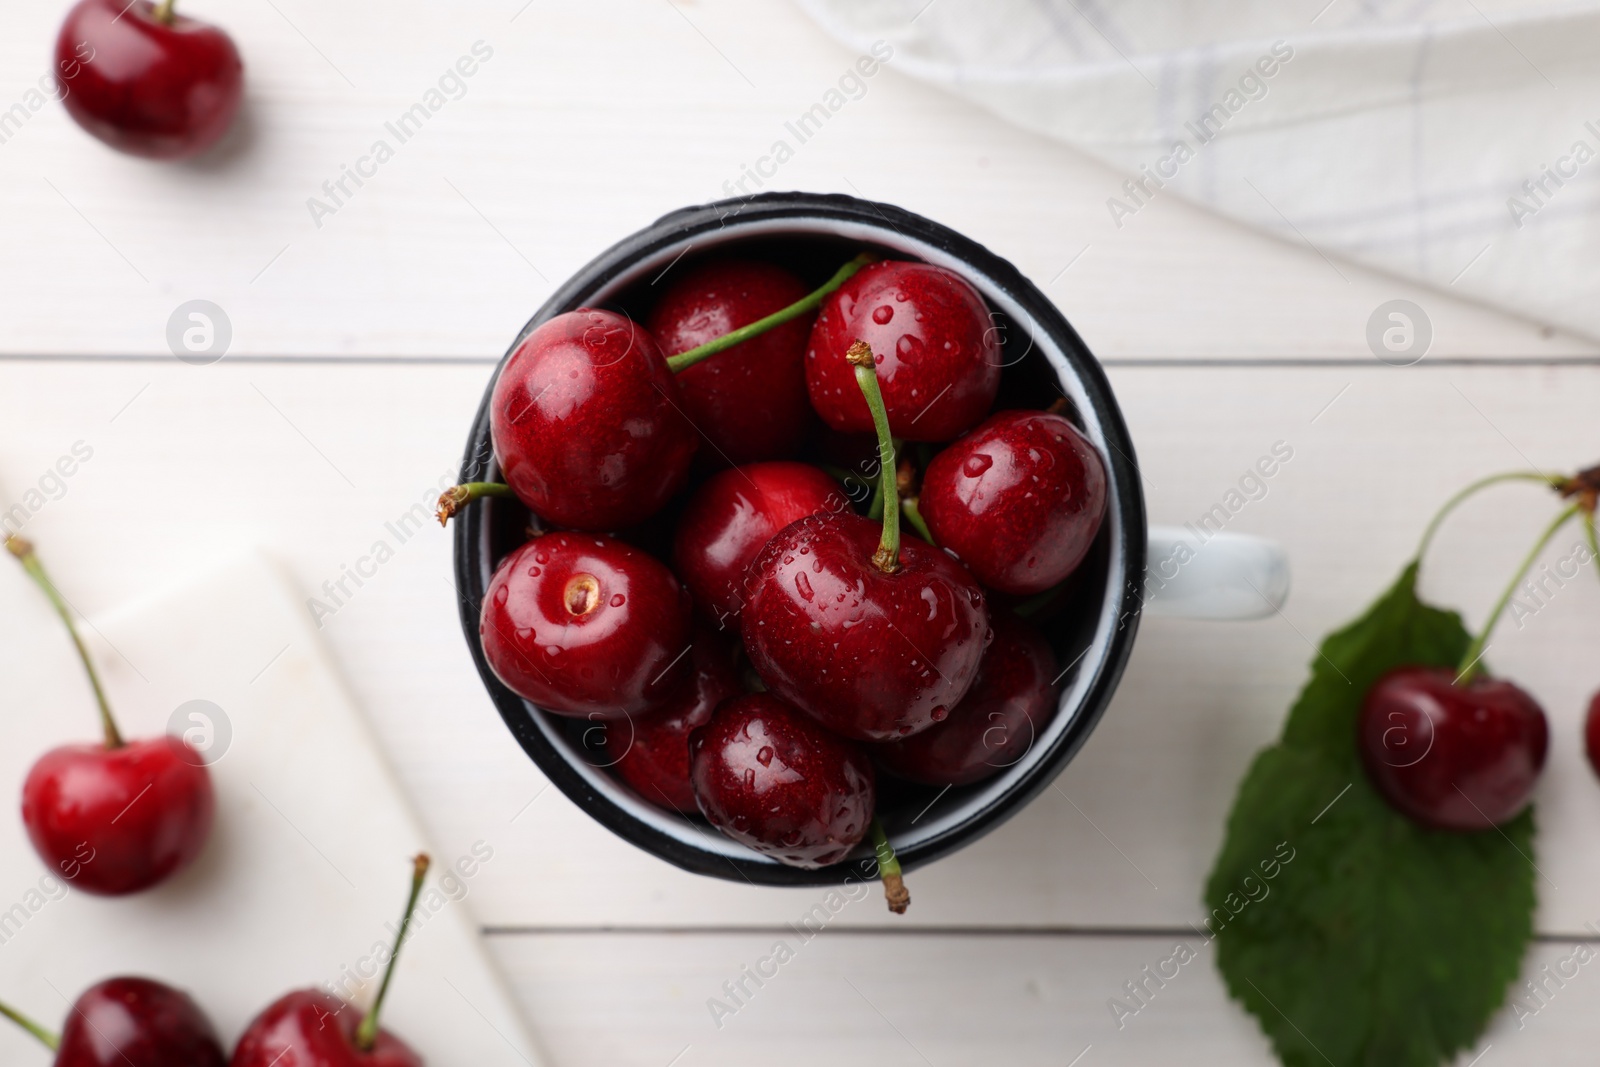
pixel 1195 574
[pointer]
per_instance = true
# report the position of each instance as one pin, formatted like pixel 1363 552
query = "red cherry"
pixel 130 1021
pixel 1019 500
pixel 145 81
pixel 114 821
pixel 588 423
pixel 938 358
pixel 311 1028
pixel 872 655
pixel 750 401
pixel 1011 701
pixel 1591 733
pixel 772 779
pixel 731 518
pixel 651 753
pixel 1452 757
pixel 584 625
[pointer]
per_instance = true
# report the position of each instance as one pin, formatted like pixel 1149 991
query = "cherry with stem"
pixel 459 496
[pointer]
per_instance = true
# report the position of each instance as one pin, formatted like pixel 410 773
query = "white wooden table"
pixel 359 352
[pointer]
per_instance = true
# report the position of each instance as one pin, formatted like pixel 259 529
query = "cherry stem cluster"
pixel 25 554
pixel 367 1033
pixel 457 497
pixel 859 356
pixel 894 886
pixel 46 1038
pixel 1469 665
pixel 810 302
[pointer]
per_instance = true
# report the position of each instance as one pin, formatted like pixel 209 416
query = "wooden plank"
pixel 590 120
pixel 189 462
pixel 931 999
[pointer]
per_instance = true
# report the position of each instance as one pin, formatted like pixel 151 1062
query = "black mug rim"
pixel 470 525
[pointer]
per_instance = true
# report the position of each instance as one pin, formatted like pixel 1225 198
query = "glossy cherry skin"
pixel 771 778
pixel 137 1022
pixel 1019 500
pixel 154 89
pixel 651 752
pixel 584 625
pixel 1591 734
pixel 729 521
pixel 937 354
pixel 750 401
pixel 1452 757
pixel 117 821
pixel 311 1028
pixel 1010 703
pixel 872 656
pixel 588 423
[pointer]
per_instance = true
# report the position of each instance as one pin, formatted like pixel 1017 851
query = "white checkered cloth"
pixel 1396 133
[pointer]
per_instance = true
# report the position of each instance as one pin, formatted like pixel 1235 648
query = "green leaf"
pixel 1378 943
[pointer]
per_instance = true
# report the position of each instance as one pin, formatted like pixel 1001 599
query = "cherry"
pixel 118 817
pixel 730 519
pixel 875 638
pixel 750 401
pixel 1591 733
pixel 588 423
pixel 584 625
pixel 1011 701
pixel 147 81
pixel 937 354
pixel 130 1022
pixel 313 1028
pixel 772 779
pixel 1019 500
pixel 1452 756
pixel 651 753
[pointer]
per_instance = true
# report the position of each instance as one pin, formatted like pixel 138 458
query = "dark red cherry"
pixel 584 625
pixel 311 1028
pixel 113 821
pixel 137 1022
pixel 1591 733
pixel 772 779
pixel 873 656
pixel 729 521
pixel 1019 500
pixel 147 81
pixel 651 752
pixel 938 359
pixel 1010 703
pixel 588 423
pixel 750 401
pixel 1452 757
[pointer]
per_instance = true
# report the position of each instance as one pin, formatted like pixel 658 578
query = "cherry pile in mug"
pixel 784 543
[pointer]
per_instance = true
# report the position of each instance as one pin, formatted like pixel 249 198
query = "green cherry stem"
pixel 894 886
pixel 457 497
pixel 859 356
pixel 367 1033
pixel 1468 667
pixel 685 360
pixel 1552 481
pixel 909 509
pixel 163 12
pixel 1594 541
pixel 25 554
pixel 46 1038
